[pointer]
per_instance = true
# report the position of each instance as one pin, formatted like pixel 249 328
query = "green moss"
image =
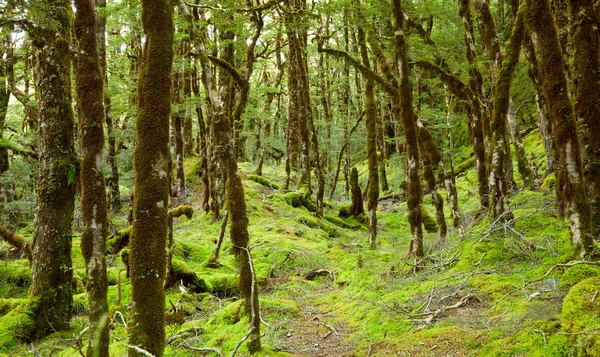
pixel 577 273
pixel 263 181
pixel 6 305
pixel 315 223
pixel 549 182
pixel 182 210
pixel 428 221
pixel 340 222
pixel 223 285
pixel 581 313
pixel 119 240
pixel 18 325
pixel 181 273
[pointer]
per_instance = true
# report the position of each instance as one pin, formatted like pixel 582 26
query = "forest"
pixel 299 178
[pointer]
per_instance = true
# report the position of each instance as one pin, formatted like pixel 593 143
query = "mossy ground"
pixel 375 302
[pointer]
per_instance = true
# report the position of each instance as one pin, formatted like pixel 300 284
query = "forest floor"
pixel 495 289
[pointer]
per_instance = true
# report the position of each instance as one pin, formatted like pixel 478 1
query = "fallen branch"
pixel 311 275
pixel 432 315
pixel 203 349
pixel 140 350
pixel 18 242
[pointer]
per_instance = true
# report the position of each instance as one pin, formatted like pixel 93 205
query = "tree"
pixel 570 187
pixel 152 187
pixel 51 270
pixel 90 100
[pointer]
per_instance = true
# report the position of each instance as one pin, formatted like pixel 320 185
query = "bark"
pixel 449 177
pixel 178 118
pixel 236 203
pixel 371 126
pixel 203 145
pixel 586 66
pixel 499 185
pixel 52 274
pixel 409 124
pixel 570 186
pixel 478 122
pixel 4 97
pixel 341 155
pixel 545 126
pixel 90 100
pixel 152 187
pixel 357 207
pixel 114 194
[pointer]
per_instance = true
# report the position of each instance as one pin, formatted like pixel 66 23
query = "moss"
pixel 429 222
pixel 313 222
pixel 580 313
pixel 549 182
pixel 119 240
pixel 180 273
pixel 577 273
pixel 263 181
pixel 6 305
pixel 125 260
pixel 18 325
pixel 296 199
pixel 182 210
pixel 223 285
pixel 341 223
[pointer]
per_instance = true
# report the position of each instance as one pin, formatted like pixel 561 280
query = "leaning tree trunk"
pixel 51 270
pixel 409 124
pixel 371 125
pixel 152 163
pixel 586 44
pixel 498 180
pixel 570 187
pixel 90 100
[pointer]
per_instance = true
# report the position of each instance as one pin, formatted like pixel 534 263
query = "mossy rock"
pixel 181 273
pixel 428 222
pixel 341 223
pixel 183 210
pixel 224 285
pixel 230 314
pixel 7 305
pixel 263 181
pixel 344 210
pixel 580 313
pixel 18 325
pixel 577 273
pixel 296 199
pixel 315 223
pixel 549 182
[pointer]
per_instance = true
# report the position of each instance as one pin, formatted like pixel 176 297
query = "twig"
pixel 140 350
pixel 432 315
pixel 543 336
pixel 202 349
pixel 253 316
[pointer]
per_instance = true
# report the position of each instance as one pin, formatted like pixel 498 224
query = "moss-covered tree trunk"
pixel 409 125
pixel 203 143
pixel 586 63
pixel 51 268
pixel 357 207
pixel 570 186
pixel 114 195
pixel 90 100
pixel 545 127
pixel 4 97
pixel 178 118
pixel 236 202
pixel 371 126
pixel 478 119
pixel 449 176
pixel 152 164
pixel 499 184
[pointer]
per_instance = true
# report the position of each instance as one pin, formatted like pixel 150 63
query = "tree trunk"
pixel 357 207
pixel 114 195
pixel 409 124
pixel 152 187
pixel 586 46
pixel 178 118
pixel 371 126
pixel 90 100
pixel 570 187
pixel 51 270
pixel 498 181
pixel 449 177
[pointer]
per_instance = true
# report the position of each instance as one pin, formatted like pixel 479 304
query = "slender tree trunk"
pixel 152 164
pixel 450 180
pixel 178 118
pixel 479 124
pixel 498 180
pixel 570 187
pixel 409 124
pixel 90 100
pixel 586 46
pixel 113 182
pixel 371 126
pixel 51 270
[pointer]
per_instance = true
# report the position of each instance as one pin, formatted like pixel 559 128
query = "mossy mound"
pixel 223 285
pixel 7 305
pixel 181 273
pixel 580 315
pixel 313 222
pixel 578 273
pixel 263 181
pixel 341 223
pixel 296 199
pixel 428 222
pixel 183 210
pixel 18 325
pixel 549 182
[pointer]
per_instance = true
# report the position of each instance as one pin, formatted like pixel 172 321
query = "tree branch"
pixel 237 77
pixel 16 241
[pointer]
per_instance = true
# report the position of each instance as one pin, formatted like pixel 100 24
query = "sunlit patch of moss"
pixel 581 316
